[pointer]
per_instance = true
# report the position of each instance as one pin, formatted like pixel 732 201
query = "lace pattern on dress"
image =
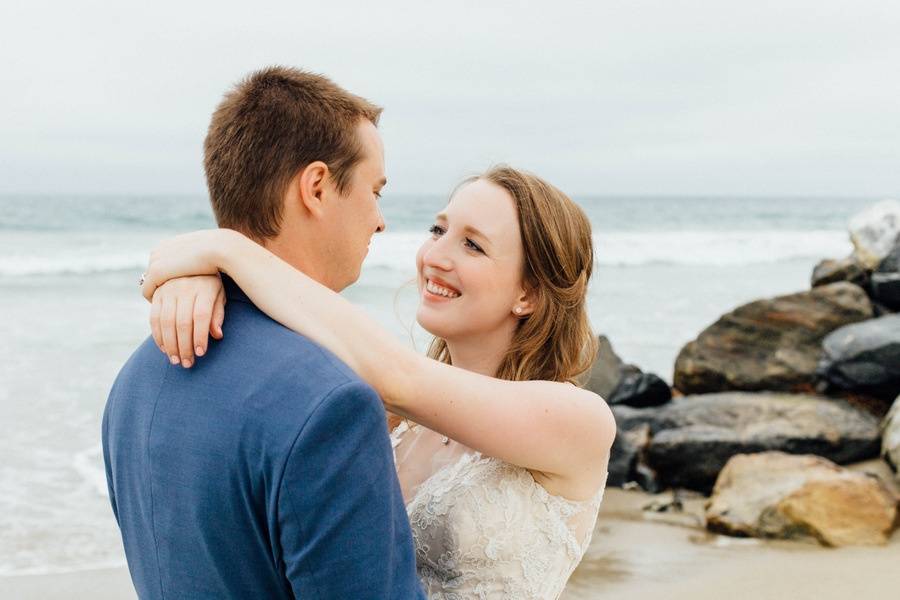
pixel 486 529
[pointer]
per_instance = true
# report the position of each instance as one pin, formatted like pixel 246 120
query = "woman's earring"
pixel 518 310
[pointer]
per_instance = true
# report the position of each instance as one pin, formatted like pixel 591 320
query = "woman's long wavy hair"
pixel 555 341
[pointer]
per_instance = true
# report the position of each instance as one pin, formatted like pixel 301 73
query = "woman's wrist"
pixel 223 251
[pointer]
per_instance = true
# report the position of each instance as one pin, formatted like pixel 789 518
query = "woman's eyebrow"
pixel 467 228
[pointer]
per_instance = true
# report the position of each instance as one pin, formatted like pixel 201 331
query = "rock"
pixel 846 269
pixel 619 383
pixel 778 495
pixel 627 448
pixel 890 437
pixel 864 357
pixel 772 344
pixel 885 284
pixel 692 437
pixel 640 390
pixel 875 231
pixel 606 371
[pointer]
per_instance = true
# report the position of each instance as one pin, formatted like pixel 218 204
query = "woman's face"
pixel 470 269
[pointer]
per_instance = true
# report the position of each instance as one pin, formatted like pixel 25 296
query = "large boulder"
pixel 627 451
pixel 606 371
pixel 845 269
pixel 875 231
pixel 890 437
pixel 885 284
pixel 640 389
pixel 772 344
pixel 692 437
pixel 620 383
pixel 864 357
pixel 778 495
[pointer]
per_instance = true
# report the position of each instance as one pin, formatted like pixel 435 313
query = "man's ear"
pixel 310 188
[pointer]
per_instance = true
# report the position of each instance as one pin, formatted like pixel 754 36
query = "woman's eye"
pixel 473 246
pixel 437 230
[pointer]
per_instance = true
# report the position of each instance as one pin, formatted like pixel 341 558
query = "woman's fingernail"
pixel 186 363
pixel 174 359
pixel 198 351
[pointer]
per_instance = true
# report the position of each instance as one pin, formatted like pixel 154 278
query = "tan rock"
pixel 778 495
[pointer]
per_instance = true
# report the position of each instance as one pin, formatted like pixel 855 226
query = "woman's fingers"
pixel 167 327
pixel 218 316
pixel 155 328
pixel 184 327
pixel 203 312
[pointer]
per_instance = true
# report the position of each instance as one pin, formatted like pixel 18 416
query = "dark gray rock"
pixel 846 269
pixel 620 383
pixel 864 358
pixel 640 390
pixel 885 284
pixel 890 437
pixel 772 344
pixel 628 447
pixel 606 371
pixel 692 438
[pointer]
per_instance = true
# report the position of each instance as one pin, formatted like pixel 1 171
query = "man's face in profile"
pixel 354 217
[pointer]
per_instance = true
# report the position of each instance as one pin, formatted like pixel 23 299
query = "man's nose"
pixel 381 224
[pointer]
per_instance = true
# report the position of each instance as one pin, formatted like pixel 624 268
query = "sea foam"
pixel 397 251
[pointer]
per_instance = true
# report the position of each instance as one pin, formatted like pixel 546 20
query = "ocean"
pixel 71 314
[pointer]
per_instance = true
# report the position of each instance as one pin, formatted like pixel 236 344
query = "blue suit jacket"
pixel 265 471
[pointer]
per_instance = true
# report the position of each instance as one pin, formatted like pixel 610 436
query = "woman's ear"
pixel 525 303
pixel 309 187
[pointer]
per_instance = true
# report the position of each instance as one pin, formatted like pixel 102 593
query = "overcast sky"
pixel 628 96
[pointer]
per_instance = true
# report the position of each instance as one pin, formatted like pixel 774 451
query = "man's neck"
pixel 298 256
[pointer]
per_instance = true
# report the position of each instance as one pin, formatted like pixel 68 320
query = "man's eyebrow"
pixel 469 228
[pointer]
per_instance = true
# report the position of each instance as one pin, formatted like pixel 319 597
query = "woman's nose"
pixel 438 255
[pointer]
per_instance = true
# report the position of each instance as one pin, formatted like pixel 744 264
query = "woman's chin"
pixel 432 325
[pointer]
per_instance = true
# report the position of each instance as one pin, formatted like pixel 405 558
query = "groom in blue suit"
pixel 265 471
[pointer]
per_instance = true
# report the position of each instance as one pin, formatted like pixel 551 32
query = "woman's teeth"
pixel 440 291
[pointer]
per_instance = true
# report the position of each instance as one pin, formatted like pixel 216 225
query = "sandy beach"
pixel 635 555
pixel 638 555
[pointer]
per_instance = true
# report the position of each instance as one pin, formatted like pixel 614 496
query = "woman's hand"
pixel 184 312
pixel 196 253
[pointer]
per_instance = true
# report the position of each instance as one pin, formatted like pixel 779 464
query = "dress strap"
pixel 397 434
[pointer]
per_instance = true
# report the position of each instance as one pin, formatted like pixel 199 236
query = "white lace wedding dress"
pixel 483 528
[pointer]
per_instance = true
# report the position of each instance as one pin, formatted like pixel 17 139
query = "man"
pixel 265 471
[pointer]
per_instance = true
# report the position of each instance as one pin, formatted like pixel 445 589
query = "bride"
pixel 502 460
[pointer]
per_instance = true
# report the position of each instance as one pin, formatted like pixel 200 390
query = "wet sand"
pixel 634 555
pixel 643 555
pixel 99 584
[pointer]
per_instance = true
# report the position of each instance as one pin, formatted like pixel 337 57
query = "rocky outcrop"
pixel 772 344
pixel 885 284
pixel 890 437
pixel 875 231
pixel 846 269
pixel 691 438
pixel 778 495
pixel 606 371
pixel 620 383
pixel 626 454
pixel 864 358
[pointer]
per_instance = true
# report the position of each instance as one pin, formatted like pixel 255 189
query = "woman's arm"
pixel 554 428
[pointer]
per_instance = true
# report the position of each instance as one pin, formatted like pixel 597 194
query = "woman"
pixel 502 460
